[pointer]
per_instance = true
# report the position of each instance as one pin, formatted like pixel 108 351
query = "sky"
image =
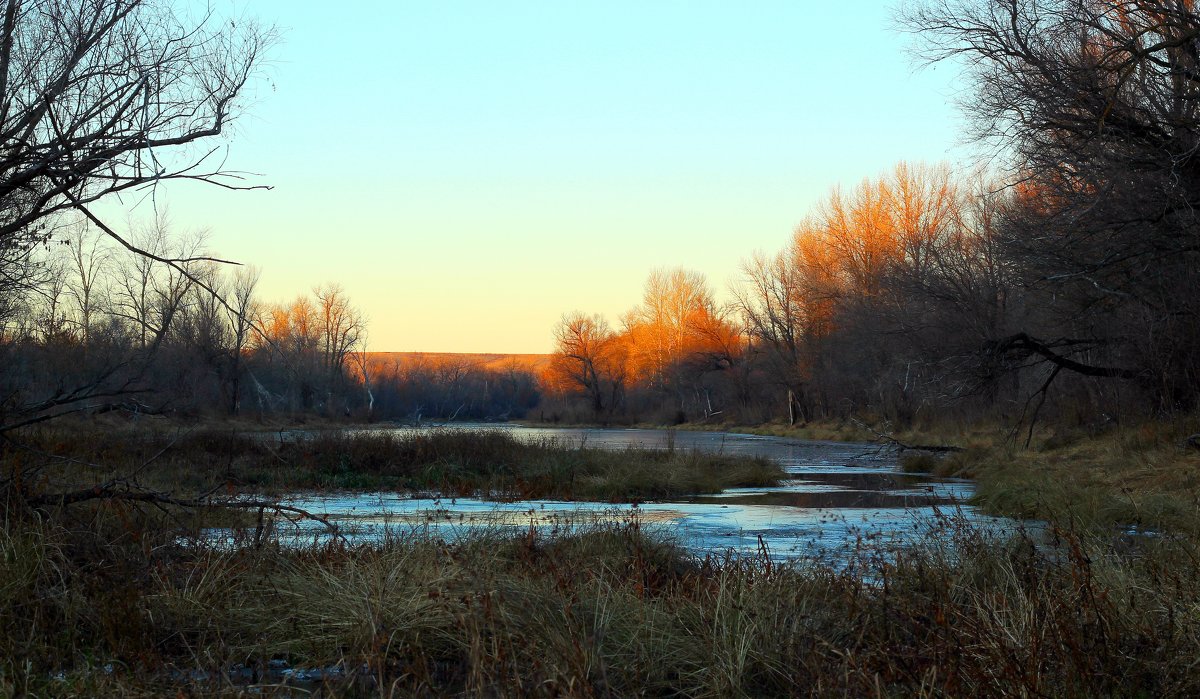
pixel 469 171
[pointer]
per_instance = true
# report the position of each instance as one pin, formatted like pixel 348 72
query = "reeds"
pixel 490 463
pixel 606 612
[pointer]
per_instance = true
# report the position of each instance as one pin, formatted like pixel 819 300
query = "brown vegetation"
pixel 489 464
pixel 122 608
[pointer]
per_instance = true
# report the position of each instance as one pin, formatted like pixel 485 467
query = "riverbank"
pixel 1138 478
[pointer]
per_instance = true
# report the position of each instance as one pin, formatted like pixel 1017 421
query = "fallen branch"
pixel 901 446
pixel 123 491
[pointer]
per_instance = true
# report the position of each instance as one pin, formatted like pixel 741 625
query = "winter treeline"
pixel 93 327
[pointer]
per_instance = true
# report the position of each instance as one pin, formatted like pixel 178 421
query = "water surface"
pixel 838 496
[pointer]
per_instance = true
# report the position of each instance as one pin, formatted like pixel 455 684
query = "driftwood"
pixel 899 446
pixel 123 491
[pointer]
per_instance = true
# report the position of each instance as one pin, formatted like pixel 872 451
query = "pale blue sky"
pixel 468 171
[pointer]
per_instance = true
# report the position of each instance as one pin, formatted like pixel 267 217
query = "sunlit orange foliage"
pixel 313 336
pixel 813 282
pixel 677 320
pixel 842 254
pixel 292 327
pixel 678 325
pixel 855 238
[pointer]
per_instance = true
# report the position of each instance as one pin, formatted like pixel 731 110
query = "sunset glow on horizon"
pixel 469 172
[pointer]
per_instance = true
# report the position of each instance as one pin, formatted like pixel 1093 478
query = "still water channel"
pixel 838 496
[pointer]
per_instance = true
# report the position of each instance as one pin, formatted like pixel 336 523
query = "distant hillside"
pixel 533 363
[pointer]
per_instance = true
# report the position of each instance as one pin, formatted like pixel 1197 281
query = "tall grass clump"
pixel 1144 477
pixel 465 462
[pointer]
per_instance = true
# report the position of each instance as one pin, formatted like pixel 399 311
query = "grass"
pixel 1135 478
pixel 826 431
pixel 452 462
pixel 1142 476
pixel 608 612
pixel 821 430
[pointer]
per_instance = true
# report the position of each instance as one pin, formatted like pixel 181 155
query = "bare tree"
pixel 203 312
pixel 101 97
pixel 25 267
pixel 52 320
pixel 1096 108
pixel 88 258
pixel 583 358
pixel 149 292
pixel 242 309
pixel 772 306
pixel 341 329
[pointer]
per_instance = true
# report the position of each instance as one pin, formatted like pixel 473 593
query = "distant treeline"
pixel 912 296
pixel 95 329
pixel 412 386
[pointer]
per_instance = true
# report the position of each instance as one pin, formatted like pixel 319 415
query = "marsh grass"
pixel 1141 477
pixel 452 462
pixel 827 431
pixel 920 462
pixel 605 612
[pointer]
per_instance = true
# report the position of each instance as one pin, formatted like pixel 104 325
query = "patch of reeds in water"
pixel 449 461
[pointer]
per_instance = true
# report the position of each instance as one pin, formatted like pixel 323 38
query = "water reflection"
pixel 840 496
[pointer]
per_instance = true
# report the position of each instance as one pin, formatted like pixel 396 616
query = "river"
pixel 838 497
